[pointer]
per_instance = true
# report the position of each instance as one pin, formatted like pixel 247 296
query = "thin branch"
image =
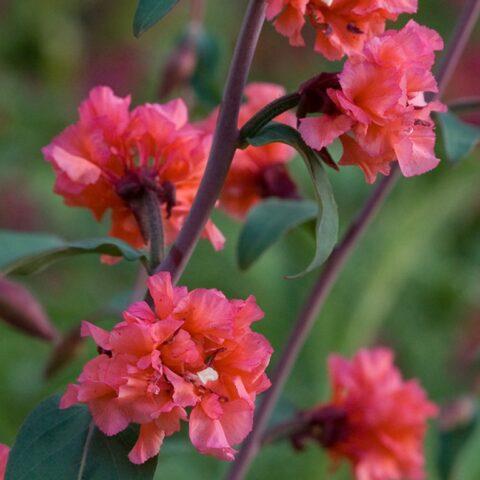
pixel 153 213
pixel 223 146
pixel 465 104
pixel 306 320
pixel 335 263
pixel 458 41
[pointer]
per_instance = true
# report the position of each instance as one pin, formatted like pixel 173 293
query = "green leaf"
pixel 451 443
pixel 327 214
pixel 467 464
pixel 64 445
pixel 149 12
pixel 267 222
pixel 460 138
pixel 25 253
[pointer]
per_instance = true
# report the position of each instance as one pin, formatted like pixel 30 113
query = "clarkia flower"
pixel 4 453
pixel 375 419
pixel 192 357
pixel 342 26
pixel 111 156
pixel 379 110
pixel 256 172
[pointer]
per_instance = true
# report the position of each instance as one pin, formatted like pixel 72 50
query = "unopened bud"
pixel 180 66
pixel 64 352
pixel 314 97
pixel 20 309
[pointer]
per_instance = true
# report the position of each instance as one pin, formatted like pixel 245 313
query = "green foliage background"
pixel 413 284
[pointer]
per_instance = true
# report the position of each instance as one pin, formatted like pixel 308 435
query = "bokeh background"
pixel 413 284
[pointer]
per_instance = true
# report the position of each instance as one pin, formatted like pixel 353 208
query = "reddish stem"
pixel 224 143
pixel 458 41
pixel 335 263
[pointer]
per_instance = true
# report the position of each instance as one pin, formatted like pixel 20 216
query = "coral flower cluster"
pixel 375 419
pixel 379 109
pixel 193 350
pixel 342 26
pixel 4 452
pixel 256 172
pixel 112 156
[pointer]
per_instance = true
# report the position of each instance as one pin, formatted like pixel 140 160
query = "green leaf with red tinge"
pixel 149 12
pixel 327 213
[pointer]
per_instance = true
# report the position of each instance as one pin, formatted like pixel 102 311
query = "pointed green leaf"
pixel 25 253
pixel 149 12
pixel 467 461
pixel 267 222
pixel 327 213
pixel 460 138
pixel 451 443
pixel 64 445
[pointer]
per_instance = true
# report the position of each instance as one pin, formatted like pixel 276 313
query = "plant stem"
pixel 335 263
pixel 306 320
pixel 466 104
pixel 266 114
pixel 458 41
pixel 154 223
pixel 223 146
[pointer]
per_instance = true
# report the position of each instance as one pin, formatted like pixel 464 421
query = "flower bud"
pixel 19 308
pixel 180 65
pixel 64 352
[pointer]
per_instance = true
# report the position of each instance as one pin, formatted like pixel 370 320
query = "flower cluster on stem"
pixel 113 157
pixel 378 110
pixel 375 419
pixel 193 350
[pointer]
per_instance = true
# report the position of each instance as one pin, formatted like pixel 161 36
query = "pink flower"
pixel 381 113
pixel 111 156
pixel 342 26
pixel 256 172
pixel 375 419
pixel 192 350
pixel 4 453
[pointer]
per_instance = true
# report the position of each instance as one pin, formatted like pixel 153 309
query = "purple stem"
pixel 223 146
pixel 458 41
pixel 335 263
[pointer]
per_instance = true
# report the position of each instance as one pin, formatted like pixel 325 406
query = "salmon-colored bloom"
pixel 342 26
pixel 112 155
pixel 192 350
pixel 375 419
pixel 256 172
pixel 381 113
pixel 4 453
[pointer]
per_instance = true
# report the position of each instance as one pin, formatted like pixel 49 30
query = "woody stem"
pixel 152 227
pixel 338 258
pixel 224 143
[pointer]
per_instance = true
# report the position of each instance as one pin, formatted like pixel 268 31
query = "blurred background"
pixel 413 284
